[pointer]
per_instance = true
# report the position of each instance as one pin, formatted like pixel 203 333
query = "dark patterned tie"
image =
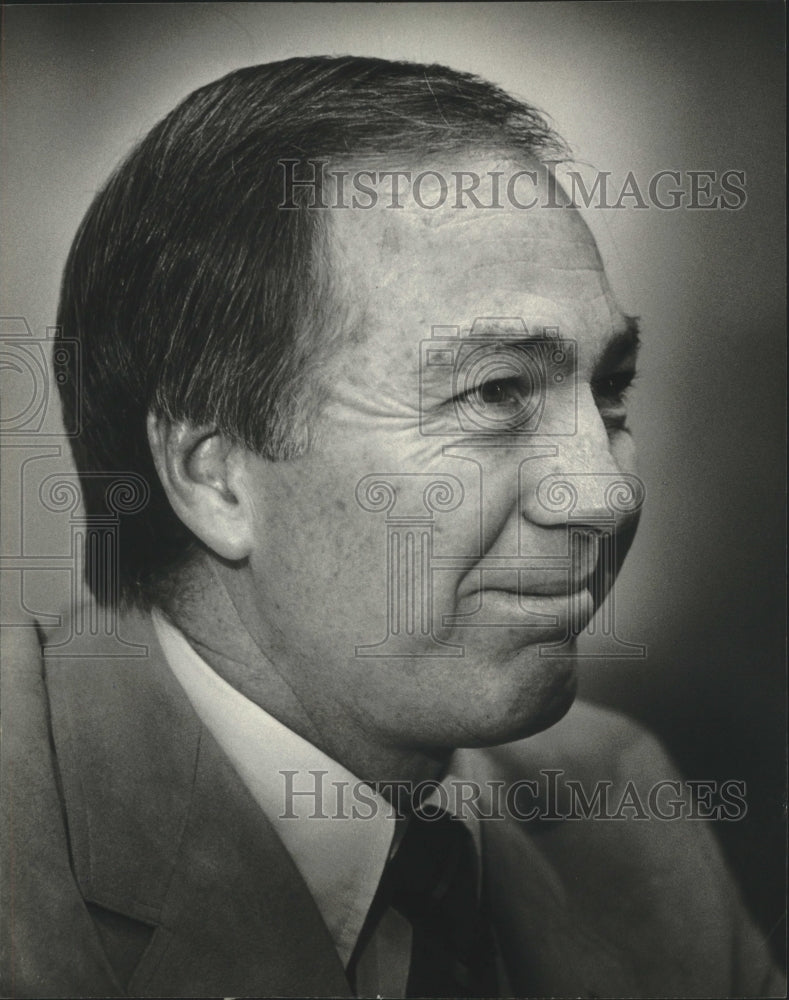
pixel 432 881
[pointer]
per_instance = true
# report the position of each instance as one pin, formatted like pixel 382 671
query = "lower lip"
pixel 544 617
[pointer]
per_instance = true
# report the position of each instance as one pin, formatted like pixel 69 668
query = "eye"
pixel 610 392
pixel 497 392
pixel 612 388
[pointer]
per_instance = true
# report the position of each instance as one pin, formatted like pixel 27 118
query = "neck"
pixel 210 607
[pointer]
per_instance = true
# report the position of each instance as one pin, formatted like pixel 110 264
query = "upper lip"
pixel 545 588
pixel 528 580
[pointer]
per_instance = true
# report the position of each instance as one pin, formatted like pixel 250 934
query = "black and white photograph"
pixel 393 549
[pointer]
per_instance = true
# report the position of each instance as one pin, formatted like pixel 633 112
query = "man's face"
pixel 422 615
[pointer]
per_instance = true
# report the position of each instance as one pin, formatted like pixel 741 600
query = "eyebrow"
pixel 625 339
pixel 623 343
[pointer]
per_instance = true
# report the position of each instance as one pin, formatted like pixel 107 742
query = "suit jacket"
pixel 137 864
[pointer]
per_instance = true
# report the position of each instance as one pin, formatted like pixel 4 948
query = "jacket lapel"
pixel 549 946
pixel 164 831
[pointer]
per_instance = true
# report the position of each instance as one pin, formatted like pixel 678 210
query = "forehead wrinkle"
pixel 474 235
pixel 480 234
pixel 376 262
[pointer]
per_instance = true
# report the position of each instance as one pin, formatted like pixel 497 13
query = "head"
pixel 194 296
pixel 263 368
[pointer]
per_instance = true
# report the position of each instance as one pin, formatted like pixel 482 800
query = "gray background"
pixel 632 86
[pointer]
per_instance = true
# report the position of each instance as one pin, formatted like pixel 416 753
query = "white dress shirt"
pixel 340 859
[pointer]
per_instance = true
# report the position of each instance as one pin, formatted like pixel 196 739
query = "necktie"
pixel 432 881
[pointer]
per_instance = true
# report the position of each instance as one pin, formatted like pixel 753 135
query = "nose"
pixel 583 482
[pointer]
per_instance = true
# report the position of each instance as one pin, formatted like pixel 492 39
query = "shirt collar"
pixel 340 857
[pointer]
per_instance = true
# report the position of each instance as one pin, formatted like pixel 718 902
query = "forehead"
pixel 405 270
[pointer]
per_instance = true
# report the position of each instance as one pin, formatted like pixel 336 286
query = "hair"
pixel 193 296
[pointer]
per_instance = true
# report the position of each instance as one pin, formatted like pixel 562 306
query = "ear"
pixel 202 473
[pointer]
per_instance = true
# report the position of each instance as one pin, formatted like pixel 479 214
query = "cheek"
pixel 320 575
pixel 318 531
pixel 624 452
pixel 471 529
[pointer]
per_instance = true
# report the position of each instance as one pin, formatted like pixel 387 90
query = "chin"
pixel 546 696
pixel 556 705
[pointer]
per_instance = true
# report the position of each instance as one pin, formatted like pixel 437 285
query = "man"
pixel 338 318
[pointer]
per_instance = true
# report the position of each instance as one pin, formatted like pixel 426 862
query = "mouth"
pixel 547 616
pixel 545 574
pixel 550 597
pixel 550 587
pixel 551 584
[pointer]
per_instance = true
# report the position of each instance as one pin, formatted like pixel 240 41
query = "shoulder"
pixel 96 736
pixel 590 742
pixel 38 883
pixel 600 781
pixel 633 857
pixel 98 757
